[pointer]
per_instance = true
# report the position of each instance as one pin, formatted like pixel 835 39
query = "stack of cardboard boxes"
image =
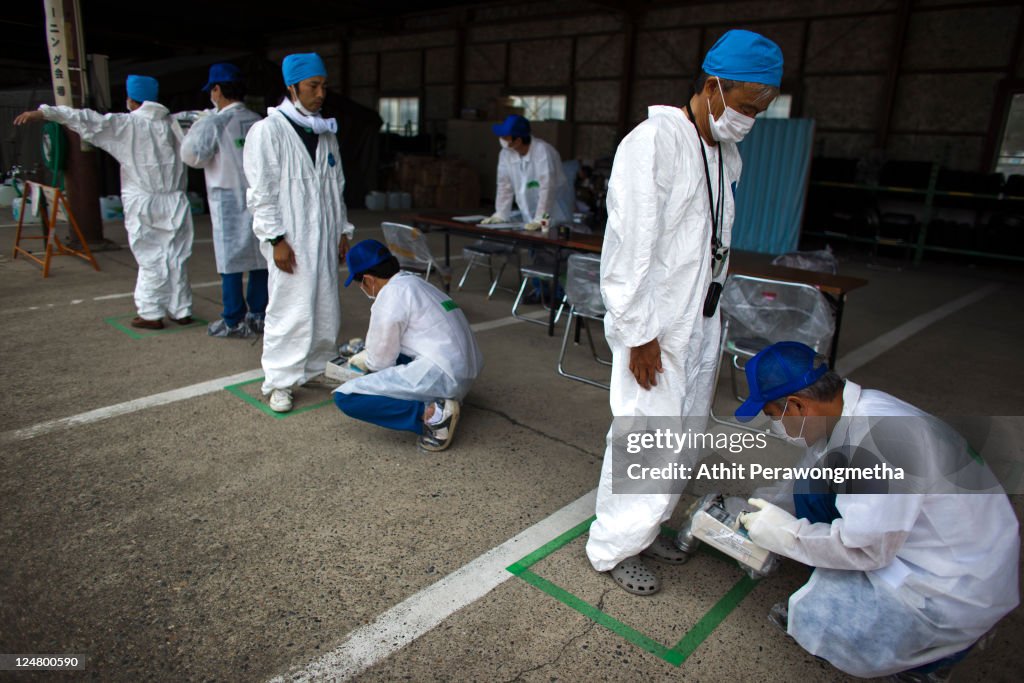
pixel 439 183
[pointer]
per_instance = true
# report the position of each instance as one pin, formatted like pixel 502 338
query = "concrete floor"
pixel 202 539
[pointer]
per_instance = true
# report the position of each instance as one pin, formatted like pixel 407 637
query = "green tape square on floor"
pixel 123 323
pixel 237 390
pixel 676 654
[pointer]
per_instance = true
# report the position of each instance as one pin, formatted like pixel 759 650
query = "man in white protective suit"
pixel 665 255
pixel 145 142
pixel 421 355
pixel 905 581
pixel 529 171
pixel 214 143
pixel 293 166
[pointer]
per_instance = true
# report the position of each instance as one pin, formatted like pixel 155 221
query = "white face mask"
pixel 779 429
pixel 503 142
pixel 731 126
pixel 371 297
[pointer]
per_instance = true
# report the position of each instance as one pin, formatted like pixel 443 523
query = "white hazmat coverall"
pixel 291 195
pixel 157 216
pixel 413 317
pixel 537 182
pixel 214 143
pixel 902 580
pixel 655 273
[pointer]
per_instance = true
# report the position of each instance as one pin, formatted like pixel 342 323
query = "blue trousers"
pixel 235 305
pixel 816 507
pixel 383 411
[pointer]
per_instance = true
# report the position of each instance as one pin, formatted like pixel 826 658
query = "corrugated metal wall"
pixel 772 191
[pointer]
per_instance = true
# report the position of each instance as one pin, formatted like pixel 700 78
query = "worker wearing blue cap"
pixel 665 257
pixel 530 171
pixel 904 583
pixel 157 215
pixel 420 352
pixel 293 165
pixel 214 143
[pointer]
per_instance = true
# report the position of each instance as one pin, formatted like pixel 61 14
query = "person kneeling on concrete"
pixel 420 356
pixel 904 583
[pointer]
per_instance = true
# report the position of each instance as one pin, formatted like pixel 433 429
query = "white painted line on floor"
pixel 875 348
pixel 132 406
pixel 175 395
pixel 125 295
pixel 502 322
pixel 105 297
pixel 414 616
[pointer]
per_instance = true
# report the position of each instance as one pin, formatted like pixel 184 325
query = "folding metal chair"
pixel 481 253
pixel 583 293
pixel 410 247
pixel 758 312
pixel 545 274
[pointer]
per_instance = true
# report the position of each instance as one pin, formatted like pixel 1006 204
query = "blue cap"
pixel 745 56
pixel 299 67
pixel 142 88
pixel 514 126
pixel 363 256
pixel 777 371
pixel 223 73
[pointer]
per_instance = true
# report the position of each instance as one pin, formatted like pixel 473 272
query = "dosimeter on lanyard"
pixel 719 253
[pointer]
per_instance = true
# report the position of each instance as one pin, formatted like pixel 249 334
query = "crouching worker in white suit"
pixel 420 353
pixel 904 583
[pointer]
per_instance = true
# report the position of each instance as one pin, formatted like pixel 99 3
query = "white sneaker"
pixel 281 400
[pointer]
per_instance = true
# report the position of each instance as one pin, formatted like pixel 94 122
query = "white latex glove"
pixel 496 218
pixel 534 225
pixel 770 526
pixel 358 361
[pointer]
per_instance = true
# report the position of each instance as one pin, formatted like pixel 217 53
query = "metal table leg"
pixel 834 352
pixel 556 270
pixel 448 259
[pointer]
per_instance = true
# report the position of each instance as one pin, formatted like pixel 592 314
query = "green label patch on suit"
pixel 449 305
pixel 533 184
pixel 239 142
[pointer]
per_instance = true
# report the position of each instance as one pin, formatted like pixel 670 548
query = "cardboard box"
pixel 424 197
pixel 451 171
pixel 429 175
pixel 408 169
pixel 448 197
pixel 469 189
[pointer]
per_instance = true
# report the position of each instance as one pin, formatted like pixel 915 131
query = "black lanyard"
pixel 717 212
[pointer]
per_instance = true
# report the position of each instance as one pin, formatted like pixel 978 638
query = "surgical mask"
pixel 369 296
pixel 503 142
pixel 302 110
pixel 731 126
pixel 779 429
